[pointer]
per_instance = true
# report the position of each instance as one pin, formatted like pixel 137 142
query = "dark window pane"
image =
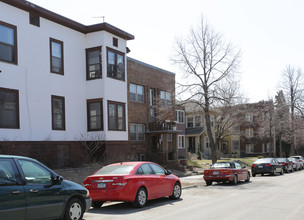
pixel 94 63
pixel 115 65
pixel 58 113
pixel 112 117
pixel 9 109
pixel 56 56
pixel 95 116
pixel 6 53
pixel 8 50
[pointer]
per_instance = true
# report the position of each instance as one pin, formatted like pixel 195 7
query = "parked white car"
pixel 300 159
pixel 296 163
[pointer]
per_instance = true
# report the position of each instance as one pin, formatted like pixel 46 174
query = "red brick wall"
pixel 149 77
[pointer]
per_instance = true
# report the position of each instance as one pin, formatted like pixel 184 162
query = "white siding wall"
pixel 32 78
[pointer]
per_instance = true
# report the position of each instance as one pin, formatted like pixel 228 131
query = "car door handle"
pixel 15 192
pixel 33 190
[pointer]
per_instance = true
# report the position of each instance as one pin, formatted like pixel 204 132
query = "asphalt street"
pixel 263 198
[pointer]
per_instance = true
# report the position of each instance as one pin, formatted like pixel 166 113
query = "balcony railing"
pixel 162 126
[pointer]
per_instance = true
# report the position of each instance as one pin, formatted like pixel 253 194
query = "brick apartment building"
pixel 156 128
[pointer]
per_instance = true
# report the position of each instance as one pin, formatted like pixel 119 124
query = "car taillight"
pixel 292 163
pixel 120 182
pixel 253 165
pixel 283 164
pixel 87 182
pixel 268 165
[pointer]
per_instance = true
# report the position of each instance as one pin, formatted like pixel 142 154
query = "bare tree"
pixel 282 122
pixel 292 86
pixel 209 64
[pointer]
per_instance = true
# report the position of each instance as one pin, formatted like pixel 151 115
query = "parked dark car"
pixel 287 164
pixel 266 165
pixel 226 172
pixel 30 190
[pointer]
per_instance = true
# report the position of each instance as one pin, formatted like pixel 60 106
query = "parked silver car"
pixel 300 159
pixel 295 163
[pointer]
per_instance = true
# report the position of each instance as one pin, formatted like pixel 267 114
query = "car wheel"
pixel 97 204
pixel 282 172
pixel 208 183
pixel 177 191
pixel 74 210
pixel 253 174
pixel 235 180
pixel 141 198
pixel 248 178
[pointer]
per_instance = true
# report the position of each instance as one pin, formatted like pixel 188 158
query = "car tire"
pixel 248 178
pixel 235 180
pixel 208 183
pixel 253 174
pixel 97 204
pixel 74 210
pixel 177 191
pixel 282 172
pixel 141 198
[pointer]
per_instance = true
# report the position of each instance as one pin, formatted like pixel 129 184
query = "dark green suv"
pixel 30 190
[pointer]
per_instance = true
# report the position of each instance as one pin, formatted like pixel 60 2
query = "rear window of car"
pixel 115 169
pixel 221 165
pixel 264 160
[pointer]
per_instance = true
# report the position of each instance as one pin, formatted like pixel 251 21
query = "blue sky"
pixel 268 32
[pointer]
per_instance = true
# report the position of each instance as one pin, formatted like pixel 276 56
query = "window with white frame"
pixel 137 132
pixel 249 148
pixel 136 93
pixel 198 121
pixel 190 122
pixel 180 116
pixel 181 141
pixel 235 145
pixel 170 137
pixel 165 98
pixel 249 117
pixel 235 129
pixel 212 120
pixel 249 132
pixel 207 142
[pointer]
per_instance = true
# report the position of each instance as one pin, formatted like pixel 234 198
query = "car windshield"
pixel 221 165
pixel 115 169
pixel 264 160
pixel 281 159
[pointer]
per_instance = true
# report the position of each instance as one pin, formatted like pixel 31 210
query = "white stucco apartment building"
pixel 60 82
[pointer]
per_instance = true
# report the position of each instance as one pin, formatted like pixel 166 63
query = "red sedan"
pixel 226 172
pixel 135 182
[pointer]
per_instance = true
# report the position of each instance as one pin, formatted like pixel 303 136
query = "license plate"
pixel 101 185
pixel 215 172
pixel 260 166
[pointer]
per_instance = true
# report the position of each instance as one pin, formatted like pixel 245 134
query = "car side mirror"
pixel 57 180
pixel 168 172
